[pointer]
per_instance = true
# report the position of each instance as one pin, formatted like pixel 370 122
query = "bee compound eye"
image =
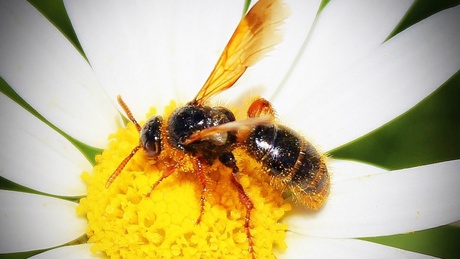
pixel 151 136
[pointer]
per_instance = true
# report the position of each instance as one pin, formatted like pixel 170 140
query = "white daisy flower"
pixel 335 77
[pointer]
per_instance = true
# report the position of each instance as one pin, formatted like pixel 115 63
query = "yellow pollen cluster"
pixel 123 222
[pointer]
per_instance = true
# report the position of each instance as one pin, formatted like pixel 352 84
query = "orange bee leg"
pixel 202 178
pixel 244 198
pixel 228 159
pixel 165 175
pixel 261 107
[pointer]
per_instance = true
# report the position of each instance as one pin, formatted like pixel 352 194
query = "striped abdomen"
pixel 291 160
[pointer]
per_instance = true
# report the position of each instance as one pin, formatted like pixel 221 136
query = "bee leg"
pixel 228 159
pixel 261 107
pixel 244 198
pixel 165 174
pixel 202 178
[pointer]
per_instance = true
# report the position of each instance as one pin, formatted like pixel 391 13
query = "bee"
pixel 211 133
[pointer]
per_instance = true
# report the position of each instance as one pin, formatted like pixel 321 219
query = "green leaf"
pixel 428 133
pixel 6 184
pixel 420 10
pixel 322 5
pixel 55 12
pixel 89 151
pixel 22 255
pixel 247 3
pixel 440 242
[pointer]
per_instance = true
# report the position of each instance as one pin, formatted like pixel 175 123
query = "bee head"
pixel 150 136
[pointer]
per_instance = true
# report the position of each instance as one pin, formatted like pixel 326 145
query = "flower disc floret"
pixel 123 222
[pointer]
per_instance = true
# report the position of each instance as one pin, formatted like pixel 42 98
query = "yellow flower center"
pixel 123 222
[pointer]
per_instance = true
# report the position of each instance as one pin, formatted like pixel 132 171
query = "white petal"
pixel 387 203
pixel 152 52
pixel 341 170
pixel 32 222
pixel 36 156
pixel 300 246
pixel 199 37
pixel 42 66
pixel 380 86
pixel 68 252
pixel 343 34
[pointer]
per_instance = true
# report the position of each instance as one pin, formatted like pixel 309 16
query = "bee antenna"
pixel 121 166
pixel 128 112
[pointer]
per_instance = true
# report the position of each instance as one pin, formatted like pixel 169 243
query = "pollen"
pixel 124 222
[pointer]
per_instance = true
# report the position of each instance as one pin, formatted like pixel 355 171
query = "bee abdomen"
pixel 310 181
pixel 291 160
pixel 275 147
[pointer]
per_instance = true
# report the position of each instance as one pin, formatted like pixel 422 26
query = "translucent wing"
pixel 255 35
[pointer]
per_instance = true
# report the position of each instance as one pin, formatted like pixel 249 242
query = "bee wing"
pixel 255 35
pixel 229 126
